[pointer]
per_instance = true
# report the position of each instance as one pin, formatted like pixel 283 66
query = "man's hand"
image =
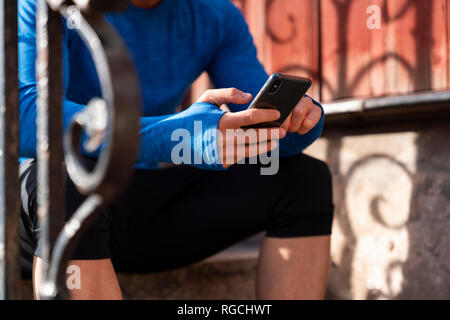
pixel 304 117
pixel 237 143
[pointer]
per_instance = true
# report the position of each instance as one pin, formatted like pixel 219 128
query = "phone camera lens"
pixel 275 86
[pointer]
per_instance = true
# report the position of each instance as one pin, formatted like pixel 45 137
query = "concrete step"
pixel 231 279
pixel 228 275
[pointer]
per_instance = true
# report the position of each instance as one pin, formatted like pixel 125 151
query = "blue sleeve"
pixel 198 122
pixel 236 65
pixel 27 79
pixel 188 137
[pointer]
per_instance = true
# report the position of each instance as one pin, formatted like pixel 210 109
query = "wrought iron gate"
pixel 110 121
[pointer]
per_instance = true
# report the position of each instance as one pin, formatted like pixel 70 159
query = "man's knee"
pixel 309 176
pixel 306 206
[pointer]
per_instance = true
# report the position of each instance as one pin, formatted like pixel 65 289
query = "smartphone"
pixel 281 92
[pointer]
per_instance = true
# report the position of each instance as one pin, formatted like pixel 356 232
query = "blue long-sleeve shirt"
pixel 171 45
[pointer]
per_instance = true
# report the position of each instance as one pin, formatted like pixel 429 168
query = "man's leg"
pixel 295 256
pixel 218 209
pixel 97 280
pixel 91 263
pixel 295 268
pixel 175 217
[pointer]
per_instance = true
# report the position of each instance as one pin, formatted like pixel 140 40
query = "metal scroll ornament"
pixel 110 122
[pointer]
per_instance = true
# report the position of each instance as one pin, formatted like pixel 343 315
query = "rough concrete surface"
pixel 391 235
pixel 227 280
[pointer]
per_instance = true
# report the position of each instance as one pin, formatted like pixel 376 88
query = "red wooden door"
pixel 292 36
pixel 448 44
pixel 408 53
pixel 286 34
pixel 331 42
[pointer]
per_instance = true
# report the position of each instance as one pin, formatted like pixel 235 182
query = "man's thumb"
pixel 225 96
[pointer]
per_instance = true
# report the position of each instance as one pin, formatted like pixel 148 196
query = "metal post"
pixel 9 150
pixel 116 159
pixel 51 191
pixel 117 156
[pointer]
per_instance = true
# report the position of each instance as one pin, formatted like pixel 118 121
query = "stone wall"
pixel 391 236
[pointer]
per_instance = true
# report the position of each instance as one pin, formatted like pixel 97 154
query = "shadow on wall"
pixel 391 236
pixel 392 185
pixel 428 267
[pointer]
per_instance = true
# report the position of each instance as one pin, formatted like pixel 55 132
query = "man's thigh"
pixel 177 216
pixel 181 215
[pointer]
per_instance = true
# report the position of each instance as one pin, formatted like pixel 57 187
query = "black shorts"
pixel 177 216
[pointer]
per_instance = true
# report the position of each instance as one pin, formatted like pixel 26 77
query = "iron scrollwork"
pixel 110 121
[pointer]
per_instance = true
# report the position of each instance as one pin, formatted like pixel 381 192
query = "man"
pixel 168 218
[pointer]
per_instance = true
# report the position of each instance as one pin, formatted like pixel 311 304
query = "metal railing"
pixel 108 121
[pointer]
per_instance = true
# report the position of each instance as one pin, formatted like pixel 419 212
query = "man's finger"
pixel 225 108
pixel 299 114
pixel 251 136
pixel 254 150
pixel 239 152
pixel 312 118
pixel 254 116
pixel 225 96
pixel 287 123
